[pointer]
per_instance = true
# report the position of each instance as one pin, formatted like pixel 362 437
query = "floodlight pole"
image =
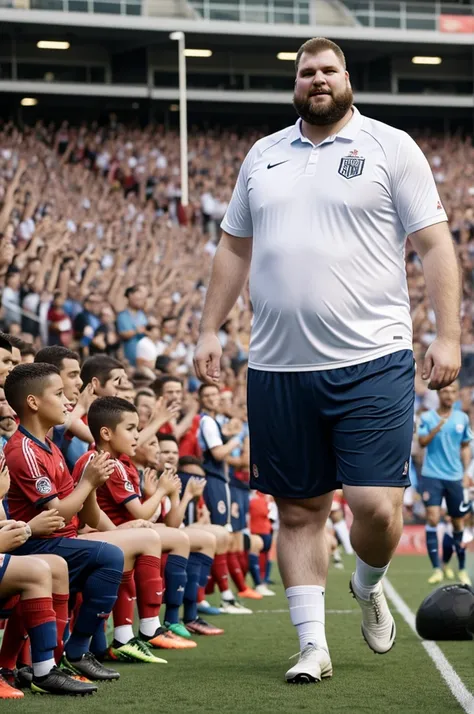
pixel 183 116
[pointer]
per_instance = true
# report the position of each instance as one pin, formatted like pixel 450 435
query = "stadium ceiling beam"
pixel 220 27
pixel 29 88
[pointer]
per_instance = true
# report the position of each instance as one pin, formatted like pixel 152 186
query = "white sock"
pixel 149 625
pixel 123 634
pixel 307 614
pixel 227 595
pixel 366 578
pixel 41 669
pixel 342 532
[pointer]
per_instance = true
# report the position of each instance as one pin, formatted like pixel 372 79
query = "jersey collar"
pixel 348 132
pixel 43 445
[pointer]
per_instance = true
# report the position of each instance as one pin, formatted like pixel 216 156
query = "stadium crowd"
pixel 103 275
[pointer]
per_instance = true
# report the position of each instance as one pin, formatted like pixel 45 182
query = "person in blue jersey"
pixel 446 435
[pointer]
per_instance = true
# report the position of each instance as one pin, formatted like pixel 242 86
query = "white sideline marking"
pixel 450 676
pixel 328 612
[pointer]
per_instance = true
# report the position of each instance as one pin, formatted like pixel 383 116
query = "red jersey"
pixel 188 445
pixel 38 473
pixel 122 487
pixel 259 514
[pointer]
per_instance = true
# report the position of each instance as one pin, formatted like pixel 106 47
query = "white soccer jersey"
pixel 329 224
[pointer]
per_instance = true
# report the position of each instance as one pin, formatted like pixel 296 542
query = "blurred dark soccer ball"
pixel 447 614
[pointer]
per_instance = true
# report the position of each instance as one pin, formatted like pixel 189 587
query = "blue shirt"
pixel 443 454
pixel 126 321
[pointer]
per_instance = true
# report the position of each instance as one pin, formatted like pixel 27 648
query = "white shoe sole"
pixel 307 678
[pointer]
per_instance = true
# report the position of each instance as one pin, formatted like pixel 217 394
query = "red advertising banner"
pixel 456 23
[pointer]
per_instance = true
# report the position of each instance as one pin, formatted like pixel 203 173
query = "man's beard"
pixel 328 113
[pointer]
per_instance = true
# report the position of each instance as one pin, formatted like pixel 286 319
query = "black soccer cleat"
pixel 58 682
pixel 89 667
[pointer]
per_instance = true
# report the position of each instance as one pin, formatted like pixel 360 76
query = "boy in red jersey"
pixel 114 426
pixel 40 480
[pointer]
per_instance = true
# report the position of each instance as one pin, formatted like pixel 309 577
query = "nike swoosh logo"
pixel 272 166
pixel 464 508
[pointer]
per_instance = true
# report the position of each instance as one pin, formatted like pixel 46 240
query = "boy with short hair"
pixel 40 480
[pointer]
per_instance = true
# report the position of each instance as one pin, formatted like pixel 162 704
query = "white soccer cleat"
pixel 264 590
pixel 232 607
pixel 314 664
pixel 378 626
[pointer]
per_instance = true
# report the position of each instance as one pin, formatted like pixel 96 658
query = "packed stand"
pixel 107 434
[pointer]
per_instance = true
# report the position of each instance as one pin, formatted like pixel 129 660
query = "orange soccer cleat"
pixel 164 640
pixel 7 692
pixel 250 594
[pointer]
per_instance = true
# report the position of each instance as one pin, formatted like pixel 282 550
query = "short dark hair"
pixel 160 382
pixel 27 349
pixel 99 366
pixel 107 411
pixel 5 343
pixel 56 354
pixel 166 437
pixel 132 289
pixel 204 386
pixel 190 461
pixel 27 379
pixel 143 393
pixel 317 45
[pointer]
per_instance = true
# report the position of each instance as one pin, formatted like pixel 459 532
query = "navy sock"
pixel 254 567
pixel 206 565
pixel 432 545
pixel 193 572
pixel 448 545
pixel 175 585
pixel 99 595
pixel 268 570
pixel 99 640
pixel 460 551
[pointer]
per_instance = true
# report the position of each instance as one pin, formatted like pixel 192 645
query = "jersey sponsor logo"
pixel 351 166
pixel 459 428
pixel 43 486
pixel 221 507
pixel 129 487
pixel 464 507
pixel 272 166
pixel 255 471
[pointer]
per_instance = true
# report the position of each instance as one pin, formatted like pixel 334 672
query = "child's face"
pixel 169 453
pixel 125 436
pixel 6 365
pixel 111 387
pixel 149 453
pixel 51 405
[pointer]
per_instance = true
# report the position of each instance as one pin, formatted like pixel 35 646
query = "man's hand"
pixel 233 427
pixel 207 358
pixel 195 487
pixel 13 535
pixel 99 469
pixel 46 523
pixel 87 397
pixel 4 479
pixel 442 363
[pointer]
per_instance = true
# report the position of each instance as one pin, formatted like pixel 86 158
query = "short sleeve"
pixel 120 489
pixel 124 322
pixel 467 433
pixel 30 475
pixel 238 219
pixel 424 428
pixel 210 432
pixel 414 191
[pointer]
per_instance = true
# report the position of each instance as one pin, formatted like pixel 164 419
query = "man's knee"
pixel 36 571
pixel 379 515
pixel 110 556
pixel 296 514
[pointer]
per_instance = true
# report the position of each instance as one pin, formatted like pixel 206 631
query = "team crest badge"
pixel 43 486
pixel 351 165
pixel 221 508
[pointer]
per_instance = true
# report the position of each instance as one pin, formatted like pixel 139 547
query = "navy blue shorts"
pixel 310 432
pixel 217 498
pixel 239 508
pixel 80 555
pixel 433 490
